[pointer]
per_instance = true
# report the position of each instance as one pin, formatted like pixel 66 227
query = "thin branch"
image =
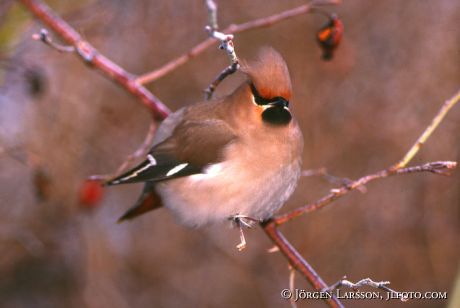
pixel 233 28
pixel 314 172
pixel 270 227
pixel 383 285
pixel 46 38
pixel 232 68
pixel 297 261
pixel 322 172
pixel 140 152
pixel 292 285
pixel 429 130
pixel 92 56
pixel 212 14
pixel 226 43
pixel 440 167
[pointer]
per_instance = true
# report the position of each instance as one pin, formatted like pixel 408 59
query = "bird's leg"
pixel 242 244
pixel 242 221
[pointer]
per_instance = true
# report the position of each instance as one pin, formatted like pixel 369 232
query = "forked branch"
pixel 226 43
pixel 268 21
pixel 94 58
pixel 439 167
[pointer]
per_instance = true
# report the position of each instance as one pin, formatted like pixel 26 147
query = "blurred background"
pixel 61 121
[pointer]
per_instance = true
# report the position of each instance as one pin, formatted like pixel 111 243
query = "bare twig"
pixel 271 226
pixel 438 167
pixel 314 172
pixel 226 43
pixel 232 68
pixel 140 152
pixel 429 130
pixel 292 286
pixel 322 172
pixel 143 149
pixel 92 56
pixel 212 14
pixel 233 28
pixel 442 167
pixel 46 38
pixel 297 261
pixel 294 258
pixel 434 167
pixel 383 285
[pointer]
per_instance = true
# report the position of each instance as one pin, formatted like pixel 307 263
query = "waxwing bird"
pixel 237 158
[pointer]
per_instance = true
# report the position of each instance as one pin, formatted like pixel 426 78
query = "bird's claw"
pixel 242 221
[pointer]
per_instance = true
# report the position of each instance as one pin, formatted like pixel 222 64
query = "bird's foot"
pixel 243 221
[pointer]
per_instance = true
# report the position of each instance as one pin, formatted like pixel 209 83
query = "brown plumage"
pixel 239 155
pixel 270 80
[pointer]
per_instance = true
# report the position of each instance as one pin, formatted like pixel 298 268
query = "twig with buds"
pixel 46 38
pixel 226 43
pixel 383 285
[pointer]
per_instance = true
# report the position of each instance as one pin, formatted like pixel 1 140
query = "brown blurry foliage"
pixel 359 112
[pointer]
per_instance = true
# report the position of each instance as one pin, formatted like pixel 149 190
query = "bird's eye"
pixel 262 101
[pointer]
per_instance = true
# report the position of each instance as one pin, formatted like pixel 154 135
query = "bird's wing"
pixel 147 201
pixel 192 146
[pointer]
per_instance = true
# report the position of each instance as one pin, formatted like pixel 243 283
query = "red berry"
pixel 91 193
pixel 329 36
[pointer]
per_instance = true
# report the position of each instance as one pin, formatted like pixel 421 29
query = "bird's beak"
pixel 280 102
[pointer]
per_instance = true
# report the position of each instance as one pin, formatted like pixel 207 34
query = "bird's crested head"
pixel 270 86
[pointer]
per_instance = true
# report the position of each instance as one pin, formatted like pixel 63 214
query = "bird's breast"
pixel 250 180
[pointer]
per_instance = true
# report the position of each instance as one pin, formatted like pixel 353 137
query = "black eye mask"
pixel 277 112
pixel 275 101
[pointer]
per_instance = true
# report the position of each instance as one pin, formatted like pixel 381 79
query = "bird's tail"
pixel 148 200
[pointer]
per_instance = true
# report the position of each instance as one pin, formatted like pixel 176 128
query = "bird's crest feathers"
pixel 269 74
